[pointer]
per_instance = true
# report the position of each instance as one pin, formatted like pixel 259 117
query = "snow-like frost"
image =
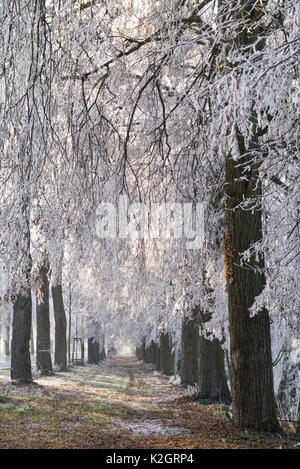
pixel 150 427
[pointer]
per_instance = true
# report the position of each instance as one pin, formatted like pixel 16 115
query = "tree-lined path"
pixel 149 201
pixel 120 403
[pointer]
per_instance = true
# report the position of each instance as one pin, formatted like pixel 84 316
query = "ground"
pixel 120 403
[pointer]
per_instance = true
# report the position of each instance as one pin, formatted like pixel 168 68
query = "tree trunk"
pixel 212 380
pixel 298 419
pixel 20 347
pixel 149 354
pixel 203 361
pixel 143 350
pixel 43 355
pixel 32 351
pixel 166 357
pixel 250 343
pixel 189 366
pixel 288 393
pixel 157 356
pixel 102 355
pixel 70 323
pixel 60 351
pixel 7 341
pixel 82 351
pixel 93 351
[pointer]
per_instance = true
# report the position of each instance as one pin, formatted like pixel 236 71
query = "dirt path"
pixel 120 403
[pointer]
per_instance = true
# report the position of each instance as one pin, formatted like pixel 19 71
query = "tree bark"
pixel 189 366
pixel 102 353
pixel 143 350
pixel 20 347
pixel 203 361
pixel 43 354
pixel 82 351
pixel 212 380
pixel 149 355
pixel 287 393
pixel 166 357
pixel 157 356
pixel 60 351
pixel 250 342
pixel 70 323
pixel 298 419
pixel 7 341
pixel 93 351
pixel 32 351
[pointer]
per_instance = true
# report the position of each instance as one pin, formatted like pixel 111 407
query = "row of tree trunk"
pixel 160 355
pixel 96 353
pixel 22 326
pixel 202 361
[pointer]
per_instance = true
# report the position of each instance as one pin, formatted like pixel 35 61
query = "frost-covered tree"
pixel 166 101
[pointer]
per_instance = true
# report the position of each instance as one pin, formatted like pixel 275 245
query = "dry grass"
pixel 119 404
